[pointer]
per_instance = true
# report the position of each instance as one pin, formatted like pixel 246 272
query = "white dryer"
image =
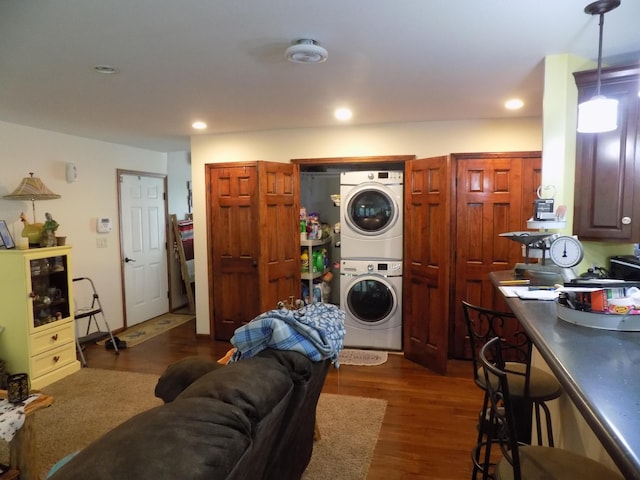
pixel 371 214
pixel 371 297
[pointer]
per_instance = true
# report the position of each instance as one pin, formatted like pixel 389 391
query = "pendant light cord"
pixel 600 54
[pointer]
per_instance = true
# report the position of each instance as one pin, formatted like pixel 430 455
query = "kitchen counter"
pixel 598 369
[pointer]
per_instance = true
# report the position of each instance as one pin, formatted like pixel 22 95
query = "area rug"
pixel 151 328
pixel 92 401
pixel 349 428
pixel 362 357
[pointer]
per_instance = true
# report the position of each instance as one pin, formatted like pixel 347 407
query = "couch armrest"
pixel 181 374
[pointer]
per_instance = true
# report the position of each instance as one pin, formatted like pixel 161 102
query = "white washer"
pixel 371 297
pixel 371 216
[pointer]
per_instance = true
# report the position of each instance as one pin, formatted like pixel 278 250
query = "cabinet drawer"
pixel 51 338
pixel 53 359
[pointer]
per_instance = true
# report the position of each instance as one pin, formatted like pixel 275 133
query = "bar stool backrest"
pixel 483 325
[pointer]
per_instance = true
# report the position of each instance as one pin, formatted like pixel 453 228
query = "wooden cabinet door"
pixel 254 244
pixel 607 186
pixel 427 248
pixel 494 195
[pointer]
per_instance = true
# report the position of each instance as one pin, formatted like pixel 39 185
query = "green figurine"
pixel 49 228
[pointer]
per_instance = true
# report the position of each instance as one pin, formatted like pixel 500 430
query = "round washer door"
pixel 371 300
pixel 371 209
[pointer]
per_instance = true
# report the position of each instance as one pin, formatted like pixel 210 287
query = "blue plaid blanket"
pixel 316 330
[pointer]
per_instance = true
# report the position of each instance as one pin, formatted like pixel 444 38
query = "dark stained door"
pixel 279 224
pixel 253 240
pixel 494 195
pixel 427 260
pixel 233 249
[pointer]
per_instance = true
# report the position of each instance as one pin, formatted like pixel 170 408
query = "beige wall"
pixel 421 139
pixel 94 195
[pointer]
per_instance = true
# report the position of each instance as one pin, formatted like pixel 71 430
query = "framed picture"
pixel 5 235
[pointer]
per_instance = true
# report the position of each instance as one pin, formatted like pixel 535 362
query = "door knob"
pixel 127 259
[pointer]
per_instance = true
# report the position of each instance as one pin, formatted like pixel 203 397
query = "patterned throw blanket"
pixel 315 330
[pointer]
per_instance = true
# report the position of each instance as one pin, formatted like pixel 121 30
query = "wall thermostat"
pixel 104 225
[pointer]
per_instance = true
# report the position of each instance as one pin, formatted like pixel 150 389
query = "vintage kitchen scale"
pixel 559 254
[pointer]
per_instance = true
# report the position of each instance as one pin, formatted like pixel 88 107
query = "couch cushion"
pixel 299 367
pixel 181 374
pixel 255 386
pixel 196 438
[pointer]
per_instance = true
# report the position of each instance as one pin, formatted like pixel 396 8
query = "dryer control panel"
pixel 385 177
pixel 380 267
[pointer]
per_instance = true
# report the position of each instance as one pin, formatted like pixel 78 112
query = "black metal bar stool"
pixel 520 461
pixel 530 388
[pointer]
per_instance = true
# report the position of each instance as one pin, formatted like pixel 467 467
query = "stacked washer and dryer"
pixel 371 244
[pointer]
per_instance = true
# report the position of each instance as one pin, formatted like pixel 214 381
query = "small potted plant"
pixel 48 238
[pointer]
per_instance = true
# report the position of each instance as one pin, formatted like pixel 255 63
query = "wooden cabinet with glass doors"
pixel 36 312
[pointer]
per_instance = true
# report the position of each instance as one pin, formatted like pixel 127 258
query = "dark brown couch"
pixel 253 419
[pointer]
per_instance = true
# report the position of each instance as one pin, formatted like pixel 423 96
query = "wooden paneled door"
pixel 427 251
pixel 253 223
pixel 494 195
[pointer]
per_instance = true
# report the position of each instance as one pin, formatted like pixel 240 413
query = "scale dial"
pixel 566 251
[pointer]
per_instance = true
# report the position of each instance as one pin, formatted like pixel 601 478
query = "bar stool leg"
pixel 481 452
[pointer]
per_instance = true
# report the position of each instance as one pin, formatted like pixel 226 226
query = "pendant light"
pixel 600 114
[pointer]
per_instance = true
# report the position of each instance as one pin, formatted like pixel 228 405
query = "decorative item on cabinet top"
pixel 32 188
pixel 5 236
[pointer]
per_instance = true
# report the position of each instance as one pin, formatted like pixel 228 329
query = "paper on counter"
pixel 512 291
pixel 538 295
pixel 526 294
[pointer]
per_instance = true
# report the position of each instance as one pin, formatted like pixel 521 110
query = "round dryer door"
pixel 371 211
pixel 371 300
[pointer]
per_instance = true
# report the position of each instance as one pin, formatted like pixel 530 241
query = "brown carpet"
pixel 93 401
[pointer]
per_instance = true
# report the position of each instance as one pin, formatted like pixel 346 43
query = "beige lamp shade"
pixel 32 188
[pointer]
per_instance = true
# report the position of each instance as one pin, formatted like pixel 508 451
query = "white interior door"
pixel 143 228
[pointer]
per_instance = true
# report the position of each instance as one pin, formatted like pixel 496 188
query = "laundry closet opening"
pixel 360 204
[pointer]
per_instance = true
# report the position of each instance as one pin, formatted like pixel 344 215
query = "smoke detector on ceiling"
pixel 306 51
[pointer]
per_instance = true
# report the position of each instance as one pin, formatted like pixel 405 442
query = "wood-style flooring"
pixel 430 423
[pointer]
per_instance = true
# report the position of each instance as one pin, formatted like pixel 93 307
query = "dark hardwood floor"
pixel 430 421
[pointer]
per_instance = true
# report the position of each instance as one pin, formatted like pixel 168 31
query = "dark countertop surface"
pixel 599 370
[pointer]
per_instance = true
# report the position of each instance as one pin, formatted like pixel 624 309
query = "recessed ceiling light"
pixel 106 69
pixel 199 125
pixel 513 104
pixel 343 114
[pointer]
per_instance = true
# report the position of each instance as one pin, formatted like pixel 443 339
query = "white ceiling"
pixel 222 61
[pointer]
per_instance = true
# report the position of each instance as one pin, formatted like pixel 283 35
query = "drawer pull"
pixel 56 358
pixel 54 337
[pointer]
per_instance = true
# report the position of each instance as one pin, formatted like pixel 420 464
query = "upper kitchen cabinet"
pixel 607 181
